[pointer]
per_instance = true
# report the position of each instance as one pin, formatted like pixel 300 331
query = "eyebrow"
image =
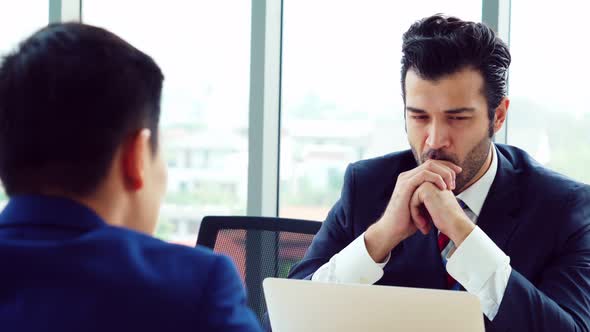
pixel 451 111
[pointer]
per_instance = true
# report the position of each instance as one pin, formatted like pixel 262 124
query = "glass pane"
pixel 341 94
pixel 18 20
pixel 549 115
pixel 203 48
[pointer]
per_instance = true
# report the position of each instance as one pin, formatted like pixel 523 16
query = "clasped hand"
pixel 422 197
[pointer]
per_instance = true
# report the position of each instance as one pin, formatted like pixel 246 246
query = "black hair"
pixel 438 45
pixel 70 95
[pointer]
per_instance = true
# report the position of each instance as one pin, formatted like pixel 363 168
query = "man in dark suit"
pixel 81 163
pixel 507 230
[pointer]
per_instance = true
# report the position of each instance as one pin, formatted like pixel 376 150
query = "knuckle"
pixel 401 177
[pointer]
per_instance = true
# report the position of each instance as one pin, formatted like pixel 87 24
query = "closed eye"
pixel 459 118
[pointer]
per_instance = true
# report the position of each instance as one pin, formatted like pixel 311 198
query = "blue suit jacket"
pixel 62 268
pixel 537 217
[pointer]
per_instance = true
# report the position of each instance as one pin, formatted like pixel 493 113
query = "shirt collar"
pixel 49 210
pixel 476 194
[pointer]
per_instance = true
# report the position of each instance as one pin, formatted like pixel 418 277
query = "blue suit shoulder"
pixel 198 279
pixel 536 178
pixel 562 203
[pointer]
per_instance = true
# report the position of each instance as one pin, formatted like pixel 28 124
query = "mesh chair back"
pixel 260 247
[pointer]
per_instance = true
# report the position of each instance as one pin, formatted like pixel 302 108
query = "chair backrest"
pixel 261 247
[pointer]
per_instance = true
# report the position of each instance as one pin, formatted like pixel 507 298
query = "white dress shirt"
pixel 478 264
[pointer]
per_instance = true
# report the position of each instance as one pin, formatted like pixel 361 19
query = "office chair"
pixel 261 247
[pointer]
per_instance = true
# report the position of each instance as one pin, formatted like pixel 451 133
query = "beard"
pixel 474 161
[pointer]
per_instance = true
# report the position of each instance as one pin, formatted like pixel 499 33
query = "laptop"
pixel 302 305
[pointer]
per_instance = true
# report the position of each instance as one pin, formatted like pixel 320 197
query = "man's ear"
pixel 136 153
pixel 500 114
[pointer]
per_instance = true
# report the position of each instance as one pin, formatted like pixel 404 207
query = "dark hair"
pixel 439 45
pixel 70 95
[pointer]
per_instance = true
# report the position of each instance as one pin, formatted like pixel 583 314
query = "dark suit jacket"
pixel 62 268
pixel 539 218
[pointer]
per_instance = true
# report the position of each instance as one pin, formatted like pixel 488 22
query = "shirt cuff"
pixel 482 269
pixel 354 264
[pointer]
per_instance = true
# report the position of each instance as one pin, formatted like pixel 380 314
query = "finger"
pixel 426 215
pixel 427 229
pixel 407 174
pixel 427 176
pixel 445 172
pixel 417 216
pixel 410 173
pixel 413 228
pixel 427 219
pixel 456 168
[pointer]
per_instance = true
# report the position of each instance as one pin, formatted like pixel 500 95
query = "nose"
pixel 438 136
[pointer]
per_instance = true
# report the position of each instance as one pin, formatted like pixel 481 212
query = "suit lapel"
pixel 498 215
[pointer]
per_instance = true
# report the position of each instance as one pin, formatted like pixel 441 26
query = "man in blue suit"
pixel 507 230
pixel 81 163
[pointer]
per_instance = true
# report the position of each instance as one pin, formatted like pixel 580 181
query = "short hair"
pixel 439 45
pixel 70 95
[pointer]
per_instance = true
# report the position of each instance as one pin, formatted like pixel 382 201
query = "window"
pixel 203 48
pixel 18 20
pixel 341 94
pixel 549 115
